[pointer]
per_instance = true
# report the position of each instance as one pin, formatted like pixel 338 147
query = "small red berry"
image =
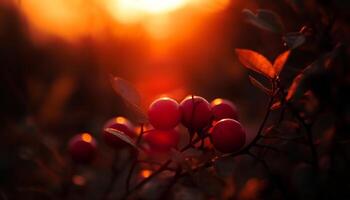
pixel 162 140
pixel 223 109
pixel 164 113
pixel 196 112
pixel 228 136
pixel 120 124
pixel 82 148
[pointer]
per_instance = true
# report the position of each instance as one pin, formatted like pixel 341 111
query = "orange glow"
pixel 146 173
pixel 79 180
pixel 71 19
pixel 146 128
pixel 217 101
pixel 86 137
pixel 147 6
pixel 121 120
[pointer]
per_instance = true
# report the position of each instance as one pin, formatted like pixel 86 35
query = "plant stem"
pixel 307 127
pixel 308 130
pixel 128 179
pixel 261 128
pixel 162 168
pixel 113 179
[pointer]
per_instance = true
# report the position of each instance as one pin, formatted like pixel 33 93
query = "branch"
pixel 308 135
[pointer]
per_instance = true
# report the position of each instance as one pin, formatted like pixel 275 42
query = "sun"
pixel 131 11
pixel 151 6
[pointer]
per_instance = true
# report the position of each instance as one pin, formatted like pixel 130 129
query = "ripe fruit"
pixel 164 113
pixel 196 112
pixel 228 136
pixel 120 124
pixel 162 140
pixel 82 148
pixel 223 109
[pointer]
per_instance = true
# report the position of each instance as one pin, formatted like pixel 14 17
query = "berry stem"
pixel 163 167
pixel 114 177
pixel 309 136
pixel 307 127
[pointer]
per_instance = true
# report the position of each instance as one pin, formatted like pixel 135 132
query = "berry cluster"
pixel 217 119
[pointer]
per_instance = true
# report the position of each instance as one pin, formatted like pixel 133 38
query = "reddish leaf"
pixel 129 94
pixel 259 85
pixel 256 62
pixel 126 90
pixel 280 61
pixel 293 88
pixel 276 105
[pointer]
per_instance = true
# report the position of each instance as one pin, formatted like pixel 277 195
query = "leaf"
pixel 276 105
pixel 256 62
pixel 297 88
pixel 126 90
pixel 265 19
pixel 259 85
pixel 280 61
pixel 293 88
pixel 294 39
pixel 129 94
pixel 122 136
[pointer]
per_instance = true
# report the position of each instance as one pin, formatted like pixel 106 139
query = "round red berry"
pixel 162 140
pixel 164 113
pixel 228 136
pixel 82 148
pixel 196 112
pixel 121 124
pixel 223 109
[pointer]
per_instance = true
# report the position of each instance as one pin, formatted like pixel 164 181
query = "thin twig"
pixel 162 168
pixel 308 130
pixel 113 179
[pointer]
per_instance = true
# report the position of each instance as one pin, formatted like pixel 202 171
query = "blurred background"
pixel 56 58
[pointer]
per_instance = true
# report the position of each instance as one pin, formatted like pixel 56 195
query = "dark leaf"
pixel 297 88
pixel 129 94
pixel 126 90
pixel 256 62
pixel 122 136
pixel 294 39
pixel 259 85
pixel 265 19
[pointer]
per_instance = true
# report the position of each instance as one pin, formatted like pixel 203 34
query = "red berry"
pixel 82 148
pixel 228 136
pixel 164 113
pixel 120 124
pixel 162 140
pixel 196 112
pixel 223 109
